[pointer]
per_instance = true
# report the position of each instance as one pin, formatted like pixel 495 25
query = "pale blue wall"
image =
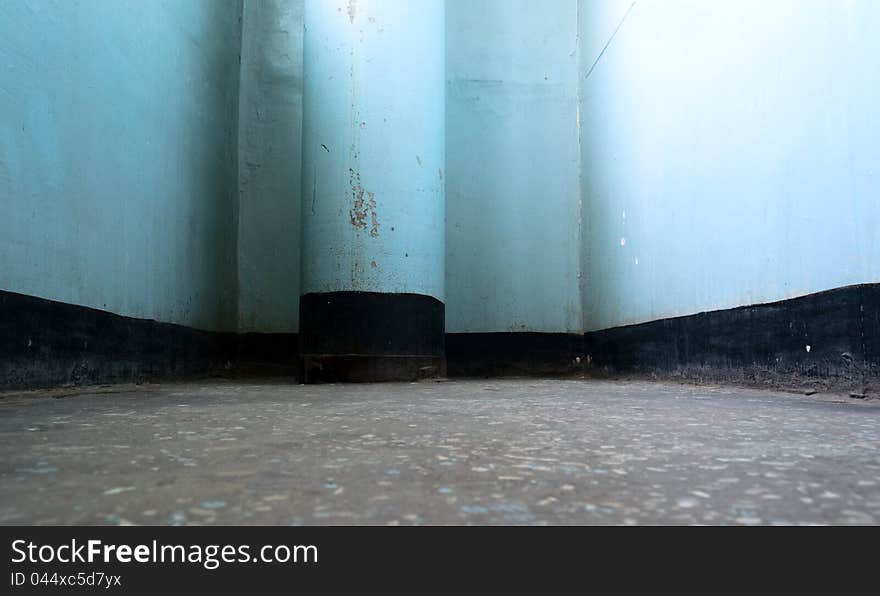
pixel 513 232
pixel 741 139
pixel 728 157
pixel 270 160
pixel 118 126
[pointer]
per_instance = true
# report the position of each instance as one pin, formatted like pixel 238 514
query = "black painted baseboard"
pixel 762 344
pixel 513 354
pixel 267 354
pixel 831 337
pixel 47 344
pixel 44 343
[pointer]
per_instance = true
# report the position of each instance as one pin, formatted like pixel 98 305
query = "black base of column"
pixel 371 369
pixel 371 337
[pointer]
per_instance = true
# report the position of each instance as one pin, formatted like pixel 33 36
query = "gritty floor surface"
pixel 462 452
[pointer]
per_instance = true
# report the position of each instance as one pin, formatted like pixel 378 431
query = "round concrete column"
pixel 373 191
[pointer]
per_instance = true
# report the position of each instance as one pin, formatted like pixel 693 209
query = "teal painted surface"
pixel 374 161
pixel 730 153
pixel 727 156
pixel 513 232
pixel 118 135
pixel 270 160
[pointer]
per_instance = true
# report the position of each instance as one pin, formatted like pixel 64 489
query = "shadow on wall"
pixel 270 161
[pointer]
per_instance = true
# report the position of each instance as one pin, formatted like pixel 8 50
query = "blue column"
pixel 373 190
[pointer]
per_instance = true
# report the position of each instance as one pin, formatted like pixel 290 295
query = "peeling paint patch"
pixel 352 10
pixel 363 211
pixel 374 220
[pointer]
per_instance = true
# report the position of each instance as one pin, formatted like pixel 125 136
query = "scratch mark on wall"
pixel 610 39
pixel 314 187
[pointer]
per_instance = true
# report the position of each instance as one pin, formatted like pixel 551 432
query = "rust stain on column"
pixel 362 208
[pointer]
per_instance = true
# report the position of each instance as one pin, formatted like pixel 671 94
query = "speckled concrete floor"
pixel 463 452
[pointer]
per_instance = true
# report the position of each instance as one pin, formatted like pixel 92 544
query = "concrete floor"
pixel 463 452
